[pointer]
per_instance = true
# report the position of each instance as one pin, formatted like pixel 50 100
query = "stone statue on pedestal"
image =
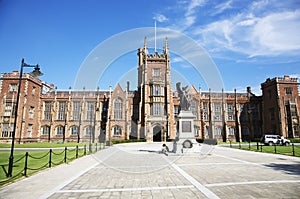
pixel 185 139
pixel 184 97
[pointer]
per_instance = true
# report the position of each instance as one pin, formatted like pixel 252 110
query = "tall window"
pixel 29 130
pixel 293 110
pixel 62 108
pixel 47 110
pixel 230 111
pixel 31 112
pixel 229 108
pixel 157 90
pixel 217 107
pixel 230 130
pixel 88 130
pixel 288 91
pixel 205 117
pixel 118 109
pixel 74 130
pixel 5 130
pixel 75 110
pixel 59 130
pixel 9 109
pixel 218 131
pixel 117 131
pixel 156 109
pixel 90 114
pixel 194 107
pixel 45 130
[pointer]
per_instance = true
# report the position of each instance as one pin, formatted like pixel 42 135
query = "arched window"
pixel 74 130
pixel 194 108
pixel 88 130
pixel 218 131
pixel 231 131
pixel 45 130
pixel 118 109
pixel 196 131
pixel 117 130
pixel 59 130
pixel 206 132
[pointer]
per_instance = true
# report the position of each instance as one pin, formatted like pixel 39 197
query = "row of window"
pixel 218 107
pixel 74 130
pixel 217 117
pixel 218 131
pixel 14 88
pixel 7 130
pixel 76 110
pixel 10 108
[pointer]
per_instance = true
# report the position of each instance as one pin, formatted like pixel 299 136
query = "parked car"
pixel 274 139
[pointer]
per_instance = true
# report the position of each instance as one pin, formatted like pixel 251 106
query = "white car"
pixel 274 139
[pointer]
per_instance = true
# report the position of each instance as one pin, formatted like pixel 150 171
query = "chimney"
pixel 249 89
pixel 127 86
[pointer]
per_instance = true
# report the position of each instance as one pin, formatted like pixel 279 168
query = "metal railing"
pixel 49 159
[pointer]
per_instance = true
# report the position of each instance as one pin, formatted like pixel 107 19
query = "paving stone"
pixel 139 171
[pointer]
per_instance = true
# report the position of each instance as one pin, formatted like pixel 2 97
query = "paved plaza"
pixel 139 170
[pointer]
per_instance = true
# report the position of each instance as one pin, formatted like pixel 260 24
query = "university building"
pixel 46 114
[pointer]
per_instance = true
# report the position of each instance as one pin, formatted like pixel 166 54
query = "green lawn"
pixel 44 145
pixel 285 150
pixel 37 160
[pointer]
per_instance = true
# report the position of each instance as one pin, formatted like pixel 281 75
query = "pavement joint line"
pixel 61 185
pixel 197 184
pixel 135 167
pixel 233 163
pixel 126 189
pixel 238 160
pixel 251 182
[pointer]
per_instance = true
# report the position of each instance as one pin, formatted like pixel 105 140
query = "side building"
pixel 281 106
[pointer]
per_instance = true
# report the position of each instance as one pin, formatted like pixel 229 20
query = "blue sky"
pixel 248 41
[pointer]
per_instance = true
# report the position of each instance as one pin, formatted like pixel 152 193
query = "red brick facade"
pixel 150 112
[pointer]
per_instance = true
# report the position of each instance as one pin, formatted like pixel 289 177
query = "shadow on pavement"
pixel 293 169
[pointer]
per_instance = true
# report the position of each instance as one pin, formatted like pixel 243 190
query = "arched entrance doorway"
pixel 157 134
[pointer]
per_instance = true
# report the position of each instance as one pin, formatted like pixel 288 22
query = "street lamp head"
pixel 36 72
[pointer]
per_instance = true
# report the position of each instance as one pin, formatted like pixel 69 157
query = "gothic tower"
pixel 156 114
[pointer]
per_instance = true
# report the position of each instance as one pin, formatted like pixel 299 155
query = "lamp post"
pixel 36 72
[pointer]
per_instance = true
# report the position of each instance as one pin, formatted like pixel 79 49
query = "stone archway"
pixel 157 132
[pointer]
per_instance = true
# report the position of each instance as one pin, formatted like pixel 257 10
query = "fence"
pixel 293 150
pixel 33 163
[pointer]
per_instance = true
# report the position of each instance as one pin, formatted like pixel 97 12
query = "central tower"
pixel 156 114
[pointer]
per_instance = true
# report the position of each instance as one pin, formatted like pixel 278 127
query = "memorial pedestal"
pixel 185 141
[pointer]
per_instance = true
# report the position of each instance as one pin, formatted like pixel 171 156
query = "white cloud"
pixel 194 4
pixel 160 18
pixel 222 7
pixel 258 5
pixel 256 90
pixel 259 28
pixel 177 59
pixel 279 32
pixel 273 34
pixel 295 76
pixel 189 13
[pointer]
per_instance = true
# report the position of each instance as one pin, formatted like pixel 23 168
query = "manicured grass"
pixel 44 145
pixel 284 150
pixel 38 160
